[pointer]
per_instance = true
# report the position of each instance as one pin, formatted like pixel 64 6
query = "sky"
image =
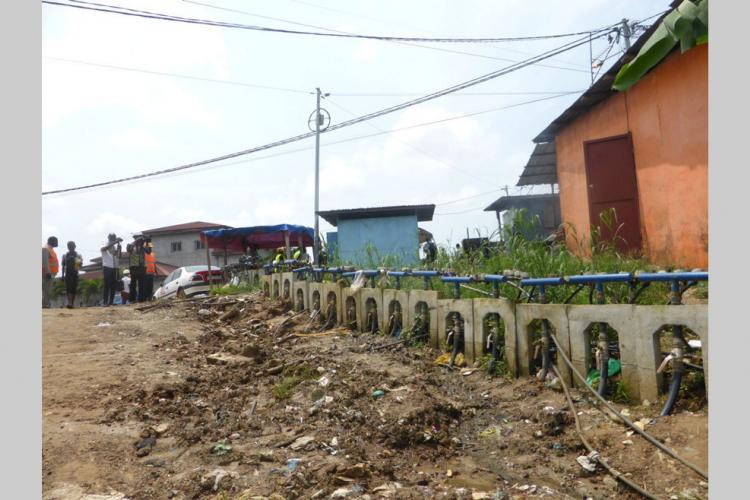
pixel 102 123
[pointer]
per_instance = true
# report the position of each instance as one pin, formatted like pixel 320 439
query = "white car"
pixel 187 281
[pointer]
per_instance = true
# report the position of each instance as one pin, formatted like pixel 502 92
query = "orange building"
pixel 643 152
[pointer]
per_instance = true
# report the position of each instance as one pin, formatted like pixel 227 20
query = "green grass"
pixel 283 390
pixel 234 289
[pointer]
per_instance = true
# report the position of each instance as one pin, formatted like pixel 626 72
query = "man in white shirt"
pixel 110 251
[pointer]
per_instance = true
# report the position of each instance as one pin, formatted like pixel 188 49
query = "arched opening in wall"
pixel 692 391
pixel 287 289
pixel 421 326
pixel 331 308
pixel 351 313
pixel 266 290
pixel 616 387
pixel 256 280
pixel 371 316
pixel 493 336
pixel 275 289
pixel 395 318
pixel 453 336
pixel 315 301
pixel 300 302
pixel 534 339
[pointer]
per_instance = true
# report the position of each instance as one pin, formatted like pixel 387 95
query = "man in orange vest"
pixel 50 267
pixel 148 280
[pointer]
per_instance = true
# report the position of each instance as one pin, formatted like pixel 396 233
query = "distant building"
pixel 368 236
pixel 544 207
pixel 180 245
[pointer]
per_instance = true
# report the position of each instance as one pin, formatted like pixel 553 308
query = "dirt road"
pixel 174 403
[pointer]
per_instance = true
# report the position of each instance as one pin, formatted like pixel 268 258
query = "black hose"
pixel 546 361
pixel 614 472
pixel 674 391
pixel 648 437
pixel 454 351
pixel 604 359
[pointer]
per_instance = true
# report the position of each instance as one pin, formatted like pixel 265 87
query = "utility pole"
pixel 320 126
pixel 626 33
pixel 316 239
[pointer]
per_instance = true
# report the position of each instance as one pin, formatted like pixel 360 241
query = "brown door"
pixel 610 173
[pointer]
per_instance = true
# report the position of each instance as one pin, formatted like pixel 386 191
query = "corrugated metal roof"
pixel 508 202
pixel 599 91
pixel 541 167
pixel 423 213
pixel 188 226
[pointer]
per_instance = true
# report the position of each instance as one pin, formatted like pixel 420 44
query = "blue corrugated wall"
pixel 393 237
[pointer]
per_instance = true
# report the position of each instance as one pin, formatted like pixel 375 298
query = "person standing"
pixel 125 293
pixel 148 280
pixel 71 263
pixel 50 267
pixel 137 265
pixel 110 252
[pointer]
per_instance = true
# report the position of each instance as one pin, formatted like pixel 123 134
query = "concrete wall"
pixel 395 237
pixel 638 328
pixel 400 297
pixel 189 255
pixel 667 114
pixel 430 298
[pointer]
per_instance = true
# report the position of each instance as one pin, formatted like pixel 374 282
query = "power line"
pixel 415 148
pixel 441 49
pixel 283 89
pixel 412 27
pixel 177 75
pixel 407 94
pixel 370 116
pixel 79 4
pixel 334 143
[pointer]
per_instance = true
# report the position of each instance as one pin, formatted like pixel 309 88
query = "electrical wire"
pixel 408 94
pixel 177 75
pixel 423 30
pixel 351 139
pixel 413 147
pixel 441 49
pixel 115 9
pixel 370 116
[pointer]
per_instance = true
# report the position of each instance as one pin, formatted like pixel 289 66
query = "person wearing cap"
pixel 71 263
pixel 50 267
pixel 110 252
pixel 125 293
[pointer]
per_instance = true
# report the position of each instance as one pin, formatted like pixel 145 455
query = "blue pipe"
pixel 495 278
pixel 542 281
pixel 456 279
pixel 598 278
pixel 685 276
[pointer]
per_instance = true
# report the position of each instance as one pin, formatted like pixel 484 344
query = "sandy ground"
pixel 136 402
